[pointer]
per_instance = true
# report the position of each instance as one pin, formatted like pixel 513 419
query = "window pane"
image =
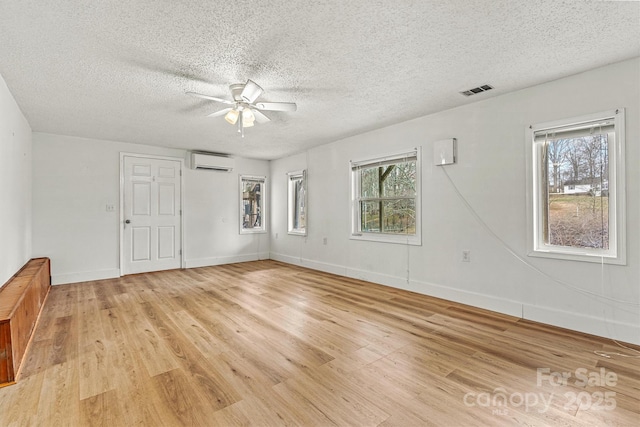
pixel 577 211
pixel 399 180
pixel 369 187
pixel 399 216
pixel 370 216
pixel 252 205
pixel 299 217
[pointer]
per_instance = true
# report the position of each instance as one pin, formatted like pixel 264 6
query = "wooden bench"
pixel 21 300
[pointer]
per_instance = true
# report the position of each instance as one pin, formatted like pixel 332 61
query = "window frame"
pixel 616 253
pixel 355 216
pixel 291 206
pixel 263 206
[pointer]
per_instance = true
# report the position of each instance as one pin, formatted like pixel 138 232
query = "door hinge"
pixel 180 172
pixel 180 252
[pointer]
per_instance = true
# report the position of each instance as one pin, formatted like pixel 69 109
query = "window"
pixel 297 205
pixel 577 189
pixel 253 195
pixel 386 199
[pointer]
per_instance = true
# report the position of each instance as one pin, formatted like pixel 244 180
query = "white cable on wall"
pixel 524 261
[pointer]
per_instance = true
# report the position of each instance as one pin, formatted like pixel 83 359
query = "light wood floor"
pixel 264 343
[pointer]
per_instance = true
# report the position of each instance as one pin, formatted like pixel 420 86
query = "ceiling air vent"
pixel 476 90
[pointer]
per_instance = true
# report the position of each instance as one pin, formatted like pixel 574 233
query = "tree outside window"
pixel 577 188
pixel 386 199
pixel 577 200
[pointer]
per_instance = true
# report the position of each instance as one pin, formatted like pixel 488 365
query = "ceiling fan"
pixel 245 110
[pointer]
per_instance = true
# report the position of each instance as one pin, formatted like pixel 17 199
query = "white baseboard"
pixel 591 325
pixel 314 265
pixel 206 262
pixel 487 302
pixel 84 276
pixel 588 324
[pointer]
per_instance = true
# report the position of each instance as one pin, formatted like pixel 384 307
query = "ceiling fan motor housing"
pixel 236 91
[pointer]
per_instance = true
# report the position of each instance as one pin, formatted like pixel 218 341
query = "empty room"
pixel 365 213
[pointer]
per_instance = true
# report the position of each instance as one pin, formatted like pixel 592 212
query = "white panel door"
pixel 151 205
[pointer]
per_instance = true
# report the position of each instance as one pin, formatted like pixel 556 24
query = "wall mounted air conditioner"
pixel 210 161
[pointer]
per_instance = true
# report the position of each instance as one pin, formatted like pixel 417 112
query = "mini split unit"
pixel 211 161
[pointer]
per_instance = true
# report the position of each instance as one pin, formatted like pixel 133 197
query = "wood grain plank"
pixel 59 397
pixel 205 376
pixel 186 407
pixel 101 410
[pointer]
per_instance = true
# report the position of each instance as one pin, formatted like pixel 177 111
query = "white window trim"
pixel 616 254
pixel 290 203
pixel 354 214
pixel 263 228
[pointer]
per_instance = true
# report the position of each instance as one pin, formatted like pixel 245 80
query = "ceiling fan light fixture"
pixel 232 116
pixel 247 118
pixel 250 92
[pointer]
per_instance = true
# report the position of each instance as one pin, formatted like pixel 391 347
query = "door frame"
pixel 121 221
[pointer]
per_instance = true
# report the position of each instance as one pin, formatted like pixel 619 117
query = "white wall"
pixel 490 175
pixel 212 221
pixel 15 186
pixel 286 244
pixel 75 178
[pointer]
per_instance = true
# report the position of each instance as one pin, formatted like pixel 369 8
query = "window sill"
pixel 581 256
pixel 388 238
pixel 253 231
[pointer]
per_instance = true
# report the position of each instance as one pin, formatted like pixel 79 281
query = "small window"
pixel 297 204
pixel 386 199
pixel 577 188
pixel 253 195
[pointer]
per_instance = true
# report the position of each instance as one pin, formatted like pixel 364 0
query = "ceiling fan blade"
pixel 276 106
pixel 260 118
pixel 212 98
pixel 220 113
pixel 251 92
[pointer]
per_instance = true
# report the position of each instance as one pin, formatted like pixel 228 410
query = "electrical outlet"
pixel 466 256
pixel 111 207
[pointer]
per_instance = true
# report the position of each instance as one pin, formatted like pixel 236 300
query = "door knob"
pixel 127 221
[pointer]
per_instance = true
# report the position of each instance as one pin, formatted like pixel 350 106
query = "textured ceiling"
pixel 119 70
